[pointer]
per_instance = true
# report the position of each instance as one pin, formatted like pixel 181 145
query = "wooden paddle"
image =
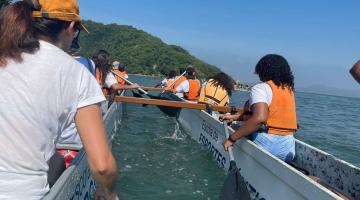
pixel 151 89
pixel 127 81
pixel 175 104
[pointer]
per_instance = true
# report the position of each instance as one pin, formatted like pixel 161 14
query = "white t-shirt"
pixel 261 93
pixel 110 80
pixel 39 98
pixel 184 87
pixel 70 134
pixel 164 81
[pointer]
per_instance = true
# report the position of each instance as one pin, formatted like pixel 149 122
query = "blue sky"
pixel 320 39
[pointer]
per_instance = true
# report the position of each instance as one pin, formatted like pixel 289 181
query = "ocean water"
pixel 157 160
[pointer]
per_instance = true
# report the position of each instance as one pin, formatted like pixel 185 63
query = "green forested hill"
pixel 139 51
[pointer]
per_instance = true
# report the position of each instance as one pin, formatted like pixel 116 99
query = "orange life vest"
pixel 214 95
pixel 121 73
pixel 194 87
pixel 179 81
pixel 282 111
pixel 168 83
pixel 98 76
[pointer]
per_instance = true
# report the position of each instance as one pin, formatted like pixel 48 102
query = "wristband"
pixel 231 140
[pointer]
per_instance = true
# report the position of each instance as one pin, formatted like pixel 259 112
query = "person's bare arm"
pixel 93 135
pixel 259 117
pixel 355 71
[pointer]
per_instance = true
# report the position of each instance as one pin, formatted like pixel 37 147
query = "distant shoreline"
pixel 145 75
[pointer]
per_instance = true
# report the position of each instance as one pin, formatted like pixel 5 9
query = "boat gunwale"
pixel 56 190
pixel 278 164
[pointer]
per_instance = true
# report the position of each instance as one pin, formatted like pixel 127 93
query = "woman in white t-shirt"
pixel 43 90
pixel 103 66
pixel 272 102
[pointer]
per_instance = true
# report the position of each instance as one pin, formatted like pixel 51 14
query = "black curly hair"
pixel 276 68
pixel 223 80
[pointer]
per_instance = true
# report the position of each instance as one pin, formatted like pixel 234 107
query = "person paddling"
pixel 121 70
pixel 104 76
pixel 168 81
pixel 273 120
pixel 44 90
pixel 190 87
pixel 217 90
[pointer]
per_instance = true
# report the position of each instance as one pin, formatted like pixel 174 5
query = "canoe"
pixel 77 182
pixel 267 176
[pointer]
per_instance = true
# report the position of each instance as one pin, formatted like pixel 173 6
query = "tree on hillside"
pixel 4 3
pixel 139 51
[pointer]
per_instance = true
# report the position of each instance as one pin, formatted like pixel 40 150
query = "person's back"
pixel 273 120
pixel 179 80
pixel 45 90
pixel 217 90
pixel 190 86
pixel 193 92
pixel 24 91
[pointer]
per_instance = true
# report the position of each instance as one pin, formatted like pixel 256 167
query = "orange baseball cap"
pixel 63 10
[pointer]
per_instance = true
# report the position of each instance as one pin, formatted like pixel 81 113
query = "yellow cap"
pixel 63 10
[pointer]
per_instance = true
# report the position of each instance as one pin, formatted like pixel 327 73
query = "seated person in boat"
pixel 168 81
pixel 190 87
pixel 104 76
pixel 70 135
pixel 355 71
pixel 44 90
pixel 120 69
pixel 217 90
pixel 179 79
pixel 273 120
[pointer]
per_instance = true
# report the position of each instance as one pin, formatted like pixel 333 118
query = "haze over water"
pixel 157 160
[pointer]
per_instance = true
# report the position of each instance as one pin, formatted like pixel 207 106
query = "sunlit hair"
pixel 20 32
pixel 276 68
pixel 223 80
pixel 101 59
pixel 190 73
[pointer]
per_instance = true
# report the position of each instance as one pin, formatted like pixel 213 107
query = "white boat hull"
pixel 267 176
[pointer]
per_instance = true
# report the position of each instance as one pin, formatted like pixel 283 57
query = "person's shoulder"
pixel 260 86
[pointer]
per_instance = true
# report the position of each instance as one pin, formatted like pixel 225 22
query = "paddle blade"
pixel 234 187
pixel 169 111
pixel 137 95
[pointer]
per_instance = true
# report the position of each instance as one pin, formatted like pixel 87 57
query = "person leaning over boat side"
pixel 103 66
pixel 217 90
pixel 45 90
pixel 121 70
pixel 189 87
pixel 273 105
pixel 355 71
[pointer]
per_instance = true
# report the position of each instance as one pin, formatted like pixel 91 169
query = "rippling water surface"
pixel 157 160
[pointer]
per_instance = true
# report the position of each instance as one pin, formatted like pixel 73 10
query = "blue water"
pixel 157 160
